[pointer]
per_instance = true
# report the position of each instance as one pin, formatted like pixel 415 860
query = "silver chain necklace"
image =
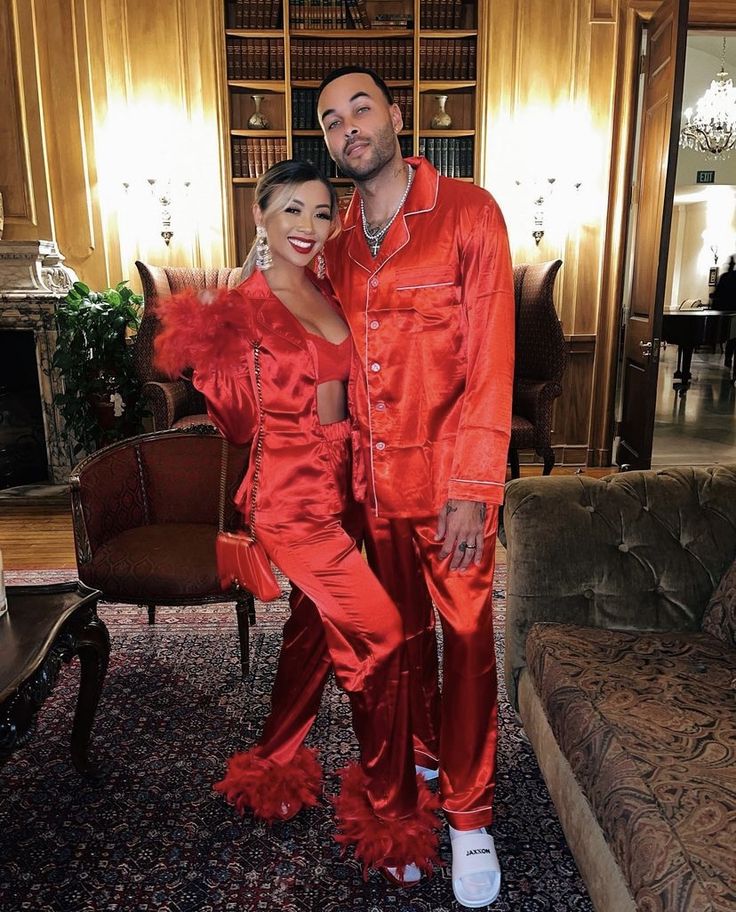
pixel 375 236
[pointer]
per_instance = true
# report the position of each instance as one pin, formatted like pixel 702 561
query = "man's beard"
pixel 383 150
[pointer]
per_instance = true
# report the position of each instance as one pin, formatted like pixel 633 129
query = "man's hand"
pixel 461 524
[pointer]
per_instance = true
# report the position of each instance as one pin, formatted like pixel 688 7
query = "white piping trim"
pixel 498 484
pixel 434 202
pixel 433 285
pixel 370 406
pixel 487 808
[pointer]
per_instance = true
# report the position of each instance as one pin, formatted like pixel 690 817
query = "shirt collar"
pixel 422 196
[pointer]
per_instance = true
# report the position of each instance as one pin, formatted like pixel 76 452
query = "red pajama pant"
pixel 459 730
pixel 342 619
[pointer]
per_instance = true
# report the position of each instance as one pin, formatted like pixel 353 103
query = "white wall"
pixel 698 224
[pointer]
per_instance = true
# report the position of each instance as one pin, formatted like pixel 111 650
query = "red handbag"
pixel 241 559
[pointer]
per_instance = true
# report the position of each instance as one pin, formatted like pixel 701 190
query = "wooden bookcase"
pixel 280 49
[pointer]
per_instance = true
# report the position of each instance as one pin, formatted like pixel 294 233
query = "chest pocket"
pixel 428 298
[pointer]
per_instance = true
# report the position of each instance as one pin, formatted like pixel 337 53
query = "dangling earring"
pixel 264 260
pixel 321 265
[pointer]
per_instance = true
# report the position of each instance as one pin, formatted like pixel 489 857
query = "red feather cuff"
pixel 202 330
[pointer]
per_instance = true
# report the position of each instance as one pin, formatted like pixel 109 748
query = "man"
pixel 724 298
pixel 423 272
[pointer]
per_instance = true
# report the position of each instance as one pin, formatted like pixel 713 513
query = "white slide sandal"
pixel 426 773
pixel 476 873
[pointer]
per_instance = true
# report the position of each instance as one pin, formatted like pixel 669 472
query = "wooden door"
pixel 659 136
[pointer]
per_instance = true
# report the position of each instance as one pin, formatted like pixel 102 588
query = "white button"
pixel 380 445
pixel 375 367
pixel 374 283
pixel 380 406
pixel 374 324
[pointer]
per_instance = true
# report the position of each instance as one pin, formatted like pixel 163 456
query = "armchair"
pixel 146 514
pixel 541 355
pixel 173 403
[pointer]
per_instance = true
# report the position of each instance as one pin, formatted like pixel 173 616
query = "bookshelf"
pixel 280 50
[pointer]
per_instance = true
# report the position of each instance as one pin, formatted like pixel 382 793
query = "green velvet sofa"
pixel 629 703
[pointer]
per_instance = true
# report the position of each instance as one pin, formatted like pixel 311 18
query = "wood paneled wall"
pixel 551 62
pixel 95 85
pixel 104 92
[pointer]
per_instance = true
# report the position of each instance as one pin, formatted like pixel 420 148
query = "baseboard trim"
pixel 565 455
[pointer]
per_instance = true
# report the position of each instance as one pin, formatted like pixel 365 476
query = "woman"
pixel 341 618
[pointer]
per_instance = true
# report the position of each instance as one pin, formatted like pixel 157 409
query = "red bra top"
pixel 333 358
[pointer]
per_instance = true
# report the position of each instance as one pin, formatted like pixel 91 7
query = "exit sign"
pixel 706 177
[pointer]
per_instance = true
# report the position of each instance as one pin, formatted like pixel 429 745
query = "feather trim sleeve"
pixel 211 332
pixel 207 330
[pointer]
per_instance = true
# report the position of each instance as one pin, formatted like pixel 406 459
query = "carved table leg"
pixel 93 649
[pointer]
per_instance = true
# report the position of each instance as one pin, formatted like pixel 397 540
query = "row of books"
pixel 441 14
pixel 336 14
pixel 315 151
pixel 446 58
pixel 311 58
pixel 255 58
pixel 251 157
pixel 304 108
pixel 328 14
pixel 253 14
pixel 451 155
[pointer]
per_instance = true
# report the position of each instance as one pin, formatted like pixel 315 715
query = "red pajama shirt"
pixel 432 317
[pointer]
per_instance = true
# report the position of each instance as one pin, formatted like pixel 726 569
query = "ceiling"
pixel 713 44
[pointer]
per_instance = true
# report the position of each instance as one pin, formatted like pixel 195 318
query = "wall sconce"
pixel 541 193
pixel 162 192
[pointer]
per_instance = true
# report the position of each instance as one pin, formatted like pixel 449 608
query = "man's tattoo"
pixel 482 511
pixel 450 509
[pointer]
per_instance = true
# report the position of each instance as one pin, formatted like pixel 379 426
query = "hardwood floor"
pixel 37 537
pixel 40 537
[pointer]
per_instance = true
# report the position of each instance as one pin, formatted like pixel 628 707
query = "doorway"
pixel 695 414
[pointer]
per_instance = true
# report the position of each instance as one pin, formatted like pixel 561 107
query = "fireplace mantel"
pixel 32 280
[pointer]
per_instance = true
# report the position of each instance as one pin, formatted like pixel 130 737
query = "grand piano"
pixel 690 328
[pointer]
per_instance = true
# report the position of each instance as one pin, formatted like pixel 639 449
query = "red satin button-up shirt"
pixel 216 339
pixel 432 317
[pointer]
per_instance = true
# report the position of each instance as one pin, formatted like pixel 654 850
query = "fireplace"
pixel 23 457
pixel 32 444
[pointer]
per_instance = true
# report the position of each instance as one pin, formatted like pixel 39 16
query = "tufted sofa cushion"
pixel 635 551
pixel 647 721
pixel 720 615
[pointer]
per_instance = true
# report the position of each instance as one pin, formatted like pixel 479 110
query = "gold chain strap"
pixel 259 453
pixel 223 484
pixel 259 438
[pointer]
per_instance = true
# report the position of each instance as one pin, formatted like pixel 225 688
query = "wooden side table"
pixel 45 626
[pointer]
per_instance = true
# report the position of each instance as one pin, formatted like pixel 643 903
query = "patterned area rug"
pixel 153 835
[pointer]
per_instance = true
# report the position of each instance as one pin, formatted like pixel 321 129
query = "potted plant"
pixel 101 401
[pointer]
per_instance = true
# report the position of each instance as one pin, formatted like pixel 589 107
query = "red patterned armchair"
pixel 173 403
pixel 146 513
pixel 541 355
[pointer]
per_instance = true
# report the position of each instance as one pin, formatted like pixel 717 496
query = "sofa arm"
pixel 170 401
pixel 635 551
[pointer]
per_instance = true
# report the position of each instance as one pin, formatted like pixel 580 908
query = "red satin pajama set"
pixel 307 519
pixel 432 316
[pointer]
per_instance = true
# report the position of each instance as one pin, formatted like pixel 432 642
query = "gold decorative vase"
pixel 441 120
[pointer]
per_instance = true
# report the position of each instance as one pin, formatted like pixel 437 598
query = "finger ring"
pixel 463 546
pixel 469 547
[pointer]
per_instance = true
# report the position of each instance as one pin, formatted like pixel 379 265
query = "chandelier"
pixel 713 128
